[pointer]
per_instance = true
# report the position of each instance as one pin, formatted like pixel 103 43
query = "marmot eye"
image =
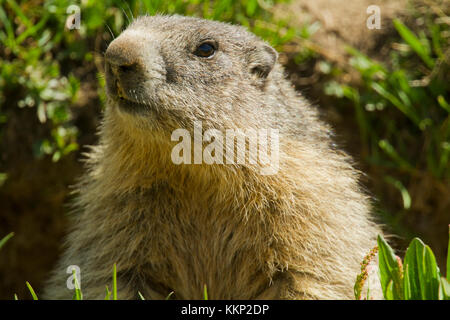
pixel 205 50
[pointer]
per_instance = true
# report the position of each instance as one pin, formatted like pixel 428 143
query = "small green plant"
pixel 362 277
pixel 416 278
pixel 5 239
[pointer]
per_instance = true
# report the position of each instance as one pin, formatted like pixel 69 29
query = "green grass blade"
pixel 409 112
pixel 16 297
pixel 409 286
pixel 411 279
pixel 387 147
pixel 421 281
pixel 33 29
pixel 444 289
pixel 390 291
pixel 5 239
pixel 389 271
pixel 141 296
pixel 7 24
pixel 448 255
pixel 18 11
pixel 432 275
pixel 205 292
pixel 411 39
pixel 363 63
pixel 33 294
pixel 443 103
pixel 114 282
pixel 77 294
pixel 108 293
pixel 403 191
pixel 169 295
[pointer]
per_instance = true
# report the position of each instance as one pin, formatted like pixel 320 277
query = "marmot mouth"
pixel 129 105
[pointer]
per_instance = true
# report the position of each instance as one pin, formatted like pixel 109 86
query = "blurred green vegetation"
pixel 402 110
pixel 38 51
pixel 418 89
pixel 401 105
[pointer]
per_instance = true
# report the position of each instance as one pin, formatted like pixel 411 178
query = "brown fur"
pixel 300 233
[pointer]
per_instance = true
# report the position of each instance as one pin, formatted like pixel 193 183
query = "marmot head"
pixel 164 72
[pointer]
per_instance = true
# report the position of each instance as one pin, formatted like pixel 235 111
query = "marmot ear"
pixel 262 59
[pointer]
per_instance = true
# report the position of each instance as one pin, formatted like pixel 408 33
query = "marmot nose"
pixel 121 58
pixel 121 52
pixel 121 61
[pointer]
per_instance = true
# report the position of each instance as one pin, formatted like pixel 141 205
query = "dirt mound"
pixel 342 23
